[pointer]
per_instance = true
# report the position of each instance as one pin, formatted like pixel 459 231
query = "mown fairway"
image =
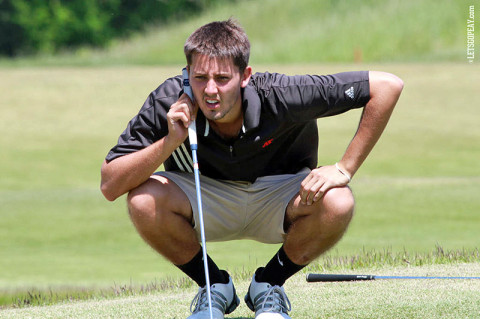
pixel 418 189
pixel 392 299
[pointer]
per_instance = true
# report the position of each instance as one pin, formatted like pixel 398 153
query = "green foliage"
pixel 31 26
pixel 49 25
pixel 281 31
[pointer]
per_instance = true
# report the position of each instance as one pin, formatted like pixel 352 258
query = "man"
pixel 258 141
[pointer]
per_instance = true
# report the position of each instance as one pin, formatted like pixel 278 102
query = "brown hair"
pixel 222 39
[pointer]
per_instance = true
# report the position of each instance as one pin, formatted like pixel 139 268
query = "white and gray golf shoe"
pixel 267 301
pixel 224 301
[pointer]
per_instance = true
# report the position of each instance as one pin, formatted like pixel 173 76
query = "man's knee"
pixel 141 203
pixel 335 207
pixel 339 203
pixel 156 198
pixel 144 200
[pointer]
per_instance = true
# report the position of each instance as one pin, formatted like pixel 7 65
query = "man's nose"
pixel 211 87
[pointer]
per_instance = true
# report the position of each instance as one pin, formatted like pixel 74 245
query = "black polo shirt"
pixel 279 133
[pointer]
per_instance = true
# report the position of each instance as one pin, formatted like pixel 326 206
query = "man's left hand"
pixel 319 181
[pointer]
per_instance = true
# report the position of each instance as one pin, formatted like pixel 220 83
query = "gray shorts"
pixel 241 210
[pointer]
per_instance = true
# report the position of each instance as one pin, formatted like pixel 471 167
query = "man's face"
pixel 216 85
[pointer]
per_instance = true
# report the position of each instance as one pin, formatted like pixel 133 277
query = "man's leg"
pixel 311 231
pixel 162 215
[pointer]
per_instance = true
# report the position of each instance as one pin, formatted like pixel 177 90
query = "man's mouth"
pixel 212 104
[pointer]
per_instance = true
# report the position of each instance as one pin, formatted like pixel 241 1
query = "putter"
pixel 334 277
pixel 192 137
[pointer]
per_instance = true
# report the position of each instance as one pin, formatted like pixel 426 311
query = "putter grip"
pixel 331 277
pixel 192 128
pixel 186 84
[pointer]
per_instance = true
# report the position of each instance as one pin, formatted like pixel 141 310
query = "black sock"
pixel 195 270
pixel 278 269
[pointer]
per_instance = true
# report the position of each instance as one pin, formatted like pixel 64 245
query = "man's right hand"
pixel 179 117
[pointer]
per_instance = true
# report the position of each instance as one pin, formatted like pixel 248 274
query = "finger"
pixel 192 106
pixel 303 191
pixel 181 117
pixel 310 188
pixel 325 187
pixel 179 112
pixel 314 191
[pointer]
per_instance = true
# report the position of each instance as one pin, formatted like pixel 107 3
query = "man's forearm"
pixel 122 174
pixel 385 90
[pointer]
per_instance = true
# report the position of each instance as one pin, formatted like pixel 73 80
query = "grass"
pixel 373 299
pixel 366 260
pixel 418 189
pixel 315 30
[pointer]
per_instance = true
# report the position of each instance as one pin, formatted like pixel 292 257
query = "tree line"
pixel 46 26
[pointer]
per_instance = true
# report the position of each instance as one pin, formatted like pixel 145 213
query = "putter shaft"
pixel 192 137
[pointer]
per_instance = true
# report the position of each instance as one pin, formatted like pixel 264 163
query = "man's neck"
pixel 228 131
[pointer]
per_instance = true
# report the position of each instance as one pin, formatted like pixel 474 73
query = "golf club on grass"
pixel 192 137
pixel 335 277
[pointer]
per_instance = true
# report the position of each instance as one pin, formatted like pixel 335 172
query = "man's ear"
pixel 247 74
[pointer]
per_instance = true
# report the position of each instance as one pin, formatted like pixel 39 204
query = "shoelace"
pixel 274 299
pixel 200 302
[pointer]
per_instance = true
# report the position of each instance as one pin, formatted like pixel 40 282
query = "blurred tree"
pixel 11 33
pixel 31 26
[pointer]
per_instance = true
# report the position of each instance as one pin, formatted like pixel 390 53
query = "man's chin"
pixel 214 116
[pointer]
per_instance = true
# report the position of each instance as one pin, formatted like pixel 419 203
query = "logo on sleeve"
pixel 267 143
pixel 350 92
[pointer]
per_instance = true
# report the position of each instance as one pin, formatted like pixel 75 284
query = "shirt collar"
pixel 251 105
